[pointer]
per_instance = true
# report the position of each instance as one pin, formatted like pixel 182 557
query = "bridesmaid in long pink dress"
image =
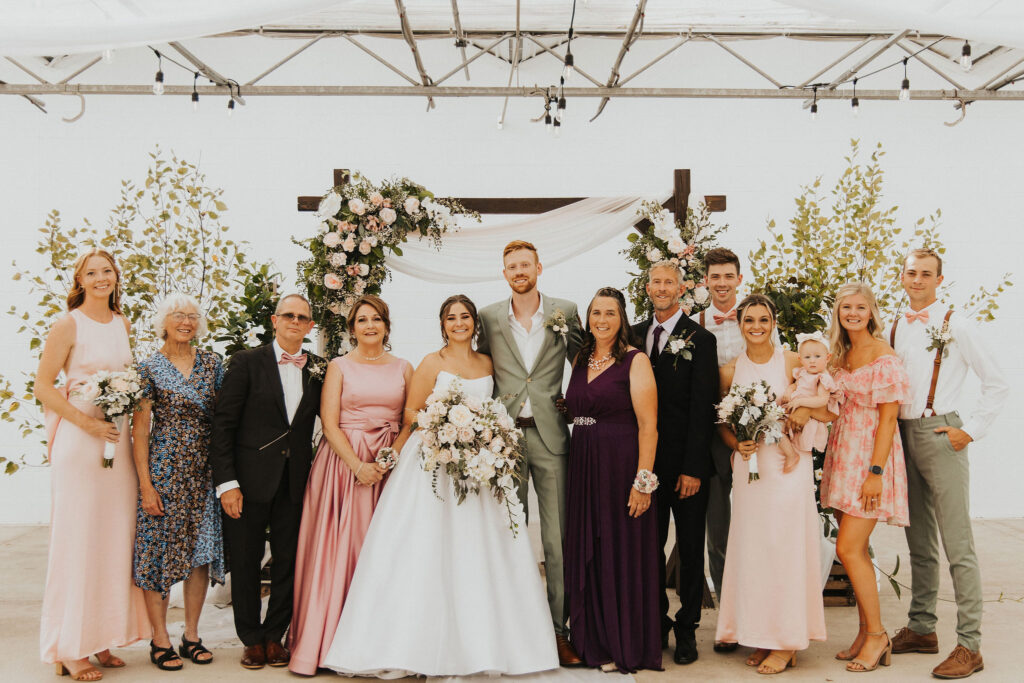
pixel 361 412
pixel 91 603
pixel 771 586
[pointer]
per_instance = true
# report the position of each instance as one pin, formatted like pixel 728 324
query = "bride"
pixel 442 589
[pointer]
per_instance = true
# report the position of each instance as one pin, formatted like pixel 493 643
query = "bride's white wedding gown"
pixel 442 589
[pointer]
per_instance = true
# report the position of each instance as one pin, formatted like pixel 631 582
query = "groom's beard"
pixel 524 287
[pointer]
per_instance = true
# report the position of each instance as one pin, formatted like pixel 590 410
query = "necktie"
pixel 298 361
pixel 719 319
pixel 656 346
pixel 922 316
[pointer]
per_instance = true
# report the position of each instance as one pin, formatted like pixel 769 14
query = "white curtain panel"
pixel 60 27
pixel 1000 22
pixel 473 254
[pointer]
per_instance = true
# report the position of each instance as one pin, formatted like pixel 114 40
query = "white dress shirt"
pixel 291 383
pixel 727 334
pixel 967 350
pixel 668 326
pixel 528 342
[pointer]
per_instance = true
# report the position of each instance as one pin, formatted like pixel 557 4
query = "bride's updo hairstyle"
pixel 470 306
pixel 758 300
pixel 623 339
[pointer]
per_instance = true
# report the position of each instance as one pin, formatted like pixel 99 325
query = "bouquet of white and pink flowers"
pixel 752 413
pixel 476 443
pixel 116 394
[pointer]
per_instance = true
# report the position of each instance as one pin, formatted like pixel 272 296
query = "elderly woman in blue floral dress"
pixel 178 536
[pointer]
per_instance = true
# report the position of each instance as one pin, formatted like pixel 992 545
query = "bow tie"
pixel 922 316
pixel 298 361
pixel 719 319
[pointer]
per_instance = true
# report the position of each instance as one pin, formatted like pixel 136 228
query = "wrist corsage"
pixel 646 481
pixel 387 458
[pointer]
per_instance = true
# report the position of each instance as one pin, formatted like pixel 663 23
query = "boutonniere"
pixel 558 324
pixel 317 367
pixel 680 347
pixel 941 338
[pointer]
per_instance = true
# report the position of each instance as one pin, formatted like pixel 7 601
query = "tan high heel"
pixel 884 656
pixel 85 674
pixel 849 655
pixel 775 661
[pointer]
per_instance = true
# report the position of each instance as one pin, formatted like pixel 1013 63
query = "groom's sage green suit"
pixel 547 444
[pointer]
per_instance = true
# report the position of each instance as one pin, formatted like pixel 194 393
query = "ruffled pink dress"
pixel 853 438
pixel 814 435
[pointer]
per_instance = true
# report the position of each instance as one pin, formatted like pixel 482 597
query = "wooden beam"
pixel 680 193
pixel 715 202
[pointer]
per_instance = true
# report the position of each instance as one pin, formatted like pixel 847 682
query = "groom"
pixel 529 359
pixel 687 381
pixel 261 452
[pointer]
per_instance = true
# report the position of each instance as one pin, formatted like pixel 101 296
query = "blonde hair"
pixel 838 338
pixel 76 297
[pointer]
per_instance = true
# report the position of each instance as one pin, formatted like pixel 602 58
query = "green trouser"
pixel 938 483
pixel 549 474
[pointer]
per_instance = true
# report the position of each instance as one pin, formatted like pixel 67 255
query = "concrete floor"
pixel 1000 546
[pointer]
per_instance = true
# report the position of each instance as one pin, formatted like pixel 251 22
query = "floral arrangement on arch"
pixel 685 244
pixel 359 224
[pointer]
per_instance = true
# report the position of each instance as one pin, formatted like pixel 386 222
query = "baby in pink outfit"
pixel 813 387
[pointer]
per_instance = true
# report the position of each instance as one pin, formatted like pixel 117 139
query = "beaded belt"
pixel 586 421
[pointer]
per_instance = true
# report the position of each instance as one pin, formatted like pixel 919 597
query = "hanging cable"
pixel 569 61
pixel 905 86
pixel 855 103
pixel 195 93
pixel 814 105
pixel 158 80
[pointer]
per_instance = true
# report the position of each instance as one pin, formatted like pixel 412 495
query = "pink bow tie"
pixel 922 316
pixel 298 361
pixel 719 319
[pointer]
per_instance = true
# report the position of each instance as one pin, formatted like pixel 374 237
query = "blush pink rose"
pixel 332 281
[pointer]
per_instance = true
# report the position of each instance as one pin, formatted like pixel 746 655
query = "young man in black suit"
pixel 685 360
pixel 261 452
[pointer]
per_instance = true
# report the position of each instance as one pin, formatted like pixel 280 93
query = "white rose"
pixel 359 287
pixel 412 205
pixel 676 244
pixel 119 384
pixel 364 269
pixel 466 434
pixel 497 443
pixel 447 433
pixel 388 215
pixel 350 243
pixel 373 240
pixel 332 240
pixel 357 206
pixel 252 336
pixel 329 205
pixel 654 255
pixel 701 294
pixel 460 416
pixel 429 439
pixel 365 247
pixel 89 391
pixel 758 399
pixel 339 258
pixel 474 403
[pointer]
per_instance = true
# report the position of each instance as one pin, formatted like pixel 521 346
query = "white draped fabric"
pixel 473 254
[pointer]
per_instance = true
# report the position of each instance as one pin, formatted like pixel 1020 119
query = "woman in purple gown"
pixel 611 541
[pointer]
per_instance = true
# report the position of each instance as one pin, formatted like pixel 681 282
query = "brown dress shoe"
pixel 566 652
pixel 960 663
pixel 254 657
pixel 906 641
pixel 277 654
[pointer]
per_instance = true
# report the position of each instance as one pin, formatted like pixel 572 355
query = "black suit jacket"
pixel 252 440
pixel 687 393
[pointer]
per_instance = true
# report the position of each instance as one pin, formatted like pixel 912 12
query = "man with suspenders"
pixel 935 441
pixel 722 279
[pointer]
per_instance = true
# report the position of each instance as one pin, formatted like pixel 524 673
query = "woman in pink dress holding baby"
pixel 865 478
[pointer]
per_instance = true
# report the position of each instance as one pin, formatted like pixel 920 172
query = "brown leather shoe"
pixel 254 657
pixel 277 654
pixel 960 663
pixel 906 641
pixel 566 652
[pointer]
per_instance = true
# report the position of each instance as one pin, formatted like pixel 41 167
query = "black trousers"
pixel 246 538
pixel 689 514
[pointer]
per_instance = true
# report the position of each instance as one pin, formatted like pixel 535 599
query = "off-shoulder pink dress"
pixel 848 457
pixel 814 435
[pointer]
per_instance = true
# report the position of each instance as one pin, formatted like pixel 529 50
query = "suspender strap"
pixel 892 333
pixel 935 370
pixel 702 319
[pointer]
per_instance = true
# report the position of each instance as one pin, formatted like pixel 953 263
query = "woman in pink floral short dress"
pixel 865 477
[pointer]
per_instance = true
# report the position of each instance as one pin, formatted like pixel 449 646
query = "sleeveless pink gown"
pixel 91 602
pixel 771 586
pixel 336 512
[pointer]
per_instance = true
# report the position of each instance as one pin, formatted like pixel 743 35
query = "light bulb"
pixel 560 110
pixel 855 105
pixel 558 128
pixel 965 57
pixel 108 55
pixel 905 90
pixel 501 124
pixel 814 112
pixel 158 83
pixel 231 107
pixel 195 101
pixel 548 122
pixel 568 70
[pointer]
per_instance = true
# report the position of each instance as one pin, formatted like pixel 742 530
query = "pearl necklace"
pixel 369 359
pixel 599 363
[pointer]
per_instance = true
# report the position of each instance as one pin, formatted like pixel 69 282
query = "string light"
pixel 814 105
pixel 905 86
pixel 560 111
pixel 158 80
pixel 855 103
pixel 965 57
pixel 567 72
pixel 569 62
pixel 558 128
pixel 195 93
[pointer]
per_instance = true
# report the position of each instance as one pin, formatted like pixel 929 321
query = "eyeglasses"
pixel 178 317
pixel 291 317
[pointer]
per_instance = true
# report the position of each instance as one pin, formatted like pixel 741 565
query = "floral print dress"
pixel 852 441
pixel 189 533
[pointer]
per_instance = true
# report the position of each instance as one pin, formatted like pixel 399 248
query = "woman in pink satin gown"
pixel 771 587
pixel 91 602
pixel 361 412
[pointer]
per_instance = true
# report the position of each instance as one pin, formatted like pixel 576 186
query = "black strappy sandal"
pixel 193 649
pixel 163 656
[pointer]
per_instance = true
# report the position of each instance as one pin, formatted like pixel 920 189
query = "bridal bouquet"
pixel 752 413
pixel 476 443
pixel 116 394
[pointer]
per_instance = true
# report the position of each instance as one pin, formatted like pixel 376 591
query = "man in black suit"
pixel 261 452
pixel 685 360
